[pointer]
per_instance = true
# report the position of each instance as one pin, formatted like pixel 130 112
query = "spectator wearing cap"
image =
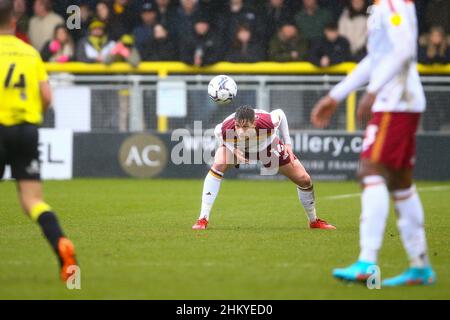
pixel 161 47
pixel 288 45
pixel 113 25
pixel 434 47
pixel 244 47
pixel 277 15
pixel 203 47
pixel 96 46
pixel 143 33
pixel 238 14
pixel 124 51
pixel 332 49
pixel 60 48
pixel 353 26
pixel 312 19
pixel 43 23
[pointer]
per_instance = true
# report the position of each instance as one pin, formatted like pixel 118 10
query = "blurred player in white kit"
pixel 396 99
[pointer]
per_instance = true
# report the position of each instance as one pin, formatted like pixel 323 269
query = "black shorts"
pixel 19 148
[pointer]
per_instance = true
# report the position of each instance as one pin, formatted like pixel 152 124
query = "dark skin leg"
pixel 396 179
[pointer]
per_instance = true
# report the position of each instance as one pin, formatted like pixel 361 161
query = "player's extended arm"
pixel 403 40
pixel 280 121
pixel 357 78
pixel 46 94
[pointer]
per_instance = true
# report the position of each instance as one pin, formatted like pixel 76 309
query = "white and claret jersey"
pixel 390 67
pixel 267 126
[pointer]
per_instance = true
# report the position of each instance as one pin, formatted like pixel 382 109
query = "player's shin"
pixel 411 225
pixel 375 210
pixel 211 188
pixel 43 215
pixel 307 199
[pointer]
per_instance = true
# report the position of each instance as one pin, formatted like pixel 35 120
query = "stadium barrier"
pixel 164 69
pixel 327 155
pixel 134 103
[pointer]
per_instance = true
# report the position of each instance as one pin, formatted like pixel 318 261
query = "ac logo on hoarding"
pixel 143 156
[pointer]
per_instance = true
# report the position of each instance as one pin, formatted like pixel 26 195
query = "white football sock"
pixel 375 210
pixel 410 224
pixel 306 196
pixel 211 188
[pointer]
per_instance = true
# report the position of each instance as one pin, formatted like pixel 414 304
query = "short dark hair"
pixel 245 113
pixel 6 11
pixel 332 26
pixel 48 5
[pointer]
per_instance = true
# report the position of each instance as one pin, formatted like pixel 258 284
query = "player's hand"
pixel 322 112
pixel 240 157
pixel 365 107
pixel 290 153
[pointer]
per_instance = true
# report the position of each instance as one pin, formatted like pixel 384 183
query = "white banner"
pixel 72 108
pixel 171 99
pixel 55 154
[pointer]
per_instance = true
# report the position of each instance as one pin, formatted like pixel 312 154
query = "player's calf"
pixel 63 247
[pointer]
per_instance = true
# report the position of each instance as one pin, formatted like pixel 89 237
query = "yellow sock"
pixel 39 209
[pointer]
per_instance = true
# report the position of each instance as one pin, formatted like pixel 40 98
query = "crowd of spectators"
pixel 202 32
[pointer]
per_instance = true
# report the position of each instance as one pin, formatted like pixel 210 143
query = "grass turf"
pixel 134 241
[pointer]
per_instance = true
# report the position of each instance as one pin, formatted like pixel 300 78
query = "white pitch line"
pixel 354 195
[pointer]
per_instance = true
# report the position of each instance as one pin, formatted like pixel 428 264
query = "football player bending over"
pixel 251 134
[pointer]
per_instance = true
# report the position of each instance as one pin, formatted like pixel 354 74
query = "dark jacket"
pixel 275 18
pixel 229 23
pixel 281 50
pixel 337 52
pixel 424 58
pixel 209 45
pixel 253 53
pixel 142 36
pixel 161 50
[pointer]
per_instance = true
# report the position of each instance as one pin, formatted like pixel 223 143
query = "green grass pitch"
pixel 134 241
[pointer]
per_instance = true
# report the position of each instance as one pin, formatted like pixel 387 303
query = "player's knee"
pixel 305 180
pixel 368 169
pixel 221 167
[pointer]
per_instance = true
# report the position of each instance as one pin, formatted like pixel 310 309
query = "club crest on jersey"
pixel 396 19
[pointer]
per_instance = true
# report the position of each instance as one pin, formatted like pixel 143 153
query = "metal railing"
pixel 122 103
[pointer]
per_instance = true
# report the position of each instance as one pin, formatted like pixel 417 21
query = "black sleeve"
pixel 316 52
pixel 423 58
pixel 46 54
pixel 343 54
pixel 187 50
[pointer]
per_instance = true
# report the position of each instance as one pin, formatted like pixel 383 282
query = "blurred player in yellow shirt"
pixel 24 95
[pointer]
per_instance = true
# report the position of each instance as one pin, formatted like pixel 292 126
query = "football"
pixel 222 89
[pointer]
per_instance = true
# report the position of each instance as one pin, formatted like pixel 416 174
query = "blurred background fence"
pixel 128 103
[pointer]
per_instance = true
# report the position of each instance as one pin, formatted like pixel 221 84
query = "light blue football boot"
pixel 360 271
pixel 412 276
